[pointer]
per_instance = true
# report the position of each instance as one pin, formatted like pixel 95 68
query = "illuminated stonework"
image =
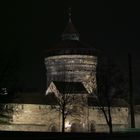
pixel 33 117
pixel 70 61
pixel 72 68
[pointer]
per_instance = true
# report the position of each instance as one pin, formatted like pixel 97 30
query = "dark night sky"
pixel 33 26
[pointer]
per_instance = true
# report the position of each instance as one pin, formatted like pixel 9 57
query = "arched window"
pixel 73 127
pixel 92 127
pixel 53 128
pixel 76 127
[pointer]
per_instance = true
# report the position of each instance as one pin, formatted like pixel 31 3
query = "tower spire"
pixel 70 33
pixel 69 14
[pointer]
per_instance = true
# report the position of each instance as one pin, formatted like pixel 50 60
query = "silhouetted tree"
pixel 68 103
pixel 6 112
pixel 9 70
pixel 131 96
pixel 111 84
pixel 63 103
pixel 8 83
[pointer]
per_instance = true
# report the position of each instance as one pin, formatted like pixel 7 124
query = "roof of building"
pixel 70 87
pixel 117 102
pixel 50 99
pixel 71 44
pixel 41 98
pixel 68 47
pixel 70 32
pixel 32 97
pixel 24 98
pixel 70 29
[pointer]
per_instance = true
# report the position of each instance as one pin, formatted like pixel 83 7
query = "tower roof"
pixel 70 43
pixel 70 32
pixel 70 87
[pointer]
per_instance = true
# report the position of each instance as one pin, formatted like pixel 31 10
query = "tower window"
pixel 92 127
pixel 39 107
pixel 22 106
pixel 53 128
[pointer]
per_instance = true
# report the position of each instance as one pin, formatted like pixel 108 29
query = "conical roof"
pixel 70 32
pixel 70 43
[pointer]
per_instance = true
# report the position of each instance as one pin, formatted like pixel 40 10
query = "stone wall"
pixel 23 127
pixel 31 117
pixel 72 68
pixel 34 114
pixel 137 120
pixel 119 118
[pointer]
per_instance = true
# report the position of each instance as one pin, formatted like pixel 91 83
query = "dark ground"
pixel 72 136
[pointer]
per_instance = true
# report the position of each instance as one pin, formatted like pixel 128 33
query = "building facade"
pixel 71 64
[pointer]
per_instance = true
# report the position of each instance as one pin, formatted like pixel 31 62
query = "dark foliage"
pixel 111 85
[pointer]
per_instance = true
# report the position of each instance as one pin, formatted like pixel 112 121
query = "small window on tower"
pixel 39 107
pixel 6 106
pixel 22 106
pixel 92 127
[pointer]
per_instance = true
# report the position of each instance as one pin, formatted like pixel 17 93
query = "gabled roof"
pixel 51 99
pixel 70 87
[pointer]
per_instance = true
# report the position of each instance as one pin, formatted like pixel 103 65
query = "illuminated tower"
pixel 72 60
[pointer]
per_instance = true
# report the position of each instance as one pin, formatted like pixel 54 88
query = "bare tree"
pixel 111 84
pixel 64 101
pixel 8 105
pixel 131 94
pixel 67 100
pixel 6 112
pixel 9 69
pixel 8 81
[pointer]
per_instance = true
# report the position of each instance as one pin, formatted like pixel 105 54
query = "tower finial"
pixel 70 33
pixel 69 14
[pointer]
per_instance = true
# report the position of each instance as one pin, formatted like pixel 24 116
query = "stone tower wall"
pixel 72 68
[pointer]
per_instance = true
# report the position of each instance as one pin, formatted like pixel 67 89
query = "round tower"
pixel 72 60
